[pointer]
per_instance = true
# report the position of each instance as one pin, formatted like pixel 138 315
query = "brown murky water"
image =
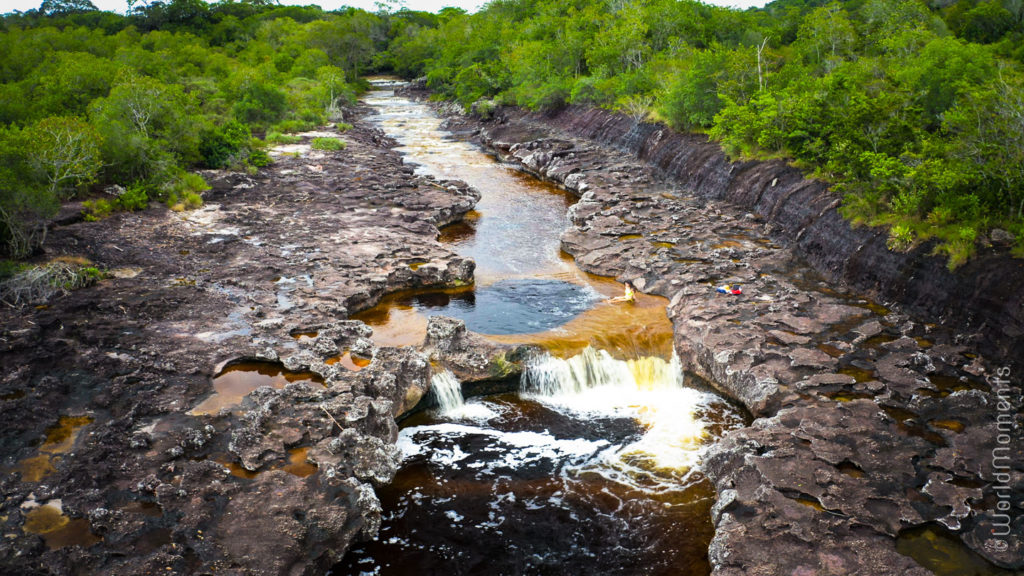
pixel 594 467
pixel 237 380
pixel 57 529
pixel 60 438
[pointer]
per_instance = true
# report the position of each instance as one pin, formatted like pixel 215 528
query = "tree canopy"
pixel 90 99
pixel 911 108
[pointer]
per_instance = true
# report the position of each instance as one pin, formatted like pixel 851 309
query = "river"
pixel 594 465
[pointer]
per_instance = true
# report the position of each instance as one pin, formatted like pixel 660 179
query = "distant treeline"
pixel 90 99
pixel 914 110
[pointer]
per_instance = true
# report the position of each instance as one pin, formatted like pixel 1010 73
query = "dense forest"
pixel 92 100
pixel 913 110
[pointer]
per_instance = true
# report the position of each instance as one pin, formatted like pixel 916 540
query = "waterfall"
pixel 448 391
pixel 650 390
pixel 590 369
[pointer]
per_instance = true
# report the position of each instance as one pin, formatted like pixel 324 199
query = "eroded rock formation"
pixel 869 421
pixel 266 271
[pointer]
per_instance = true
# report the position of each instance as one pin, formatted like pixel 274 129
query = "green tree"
pixel 65 152
pixel 988 131
pixel 22 202
pixel 64 7
pixel 827 36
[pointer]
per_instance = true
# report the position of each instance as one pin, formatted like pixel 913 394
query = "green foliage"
pixel 274 137
pixel 134 198
pixel 258 158
pixel 94 97
pixel 64 152
pixel 919 130
pixel 261 105
pixel 693 101
pixel 900 238
pixel 9 268
pixel 294 125
pixel 225 146
pixel 98 209
pixel 328 144
pixel 183 192
pixel 25 198
pixel 912 110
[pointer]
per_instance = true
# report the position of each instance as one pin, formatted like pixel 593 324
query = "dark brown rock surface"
pixel 869 422
pixel 266 271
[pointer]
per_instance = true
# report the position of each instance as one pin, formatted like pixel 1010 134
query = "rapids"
pixel 594 465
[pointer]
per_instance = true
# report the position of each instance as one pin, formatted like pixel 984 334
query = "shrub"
pixel 343 126
pixel 225 146
pixel 257 155
pixel 483 108
pixel 192 200
pixel 261 104
pixel 134 198
pixel 37 284
pixel 900 238
pixel 97 209
pixel 9 268
pixel 328 144
pixel 293 126
pixel 192 182
pixel 958 246
pixel 274 137
pixel 183 192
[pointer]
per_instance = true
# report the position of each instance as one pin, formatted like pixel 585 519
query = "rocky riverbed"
pixel 120 457
pixel 130 449
pixel 875 430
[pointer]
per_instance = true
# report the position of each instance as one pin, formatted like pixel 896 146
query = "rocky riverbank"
pixel 119 457
pixel 872 424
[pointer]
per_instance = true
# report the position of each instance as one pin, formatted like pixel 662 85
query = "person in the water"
pixel 629 296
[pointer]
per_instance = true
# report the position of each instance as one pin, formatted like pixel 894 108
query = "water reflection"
pixel 593 469
pixel 527 290
pixel 516 226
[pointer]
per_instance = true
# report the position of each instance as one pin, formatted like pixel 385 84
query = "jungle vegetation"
pixel 91 100
pixel 912 109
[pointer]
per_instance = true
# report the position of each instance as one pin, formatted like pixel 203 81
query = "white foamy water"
pixel 593 467
pixel 591 386
pixel 507 450
pixel 649 390
pixel 447 390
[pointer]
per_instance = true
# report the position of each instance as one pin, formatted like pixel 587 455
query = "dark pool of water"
pixel 531 491
pixel 512 306
pixel 594 482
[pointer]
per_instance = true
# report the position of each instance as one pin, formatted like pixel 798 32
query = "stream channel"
pixel 594 465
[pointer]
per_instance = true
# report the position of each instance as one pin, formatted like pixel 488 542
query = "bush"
pixel 183 193
pixel 134 198
pixel 483 108
pixel 274 137
pixel 900 238
pixel 343 126
pixel 259 158
pixel 36 285
pixel 9 268
pixel 294 125
pixel 261 104
pixel 328 144
pixel 225 146
pixel 97 209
